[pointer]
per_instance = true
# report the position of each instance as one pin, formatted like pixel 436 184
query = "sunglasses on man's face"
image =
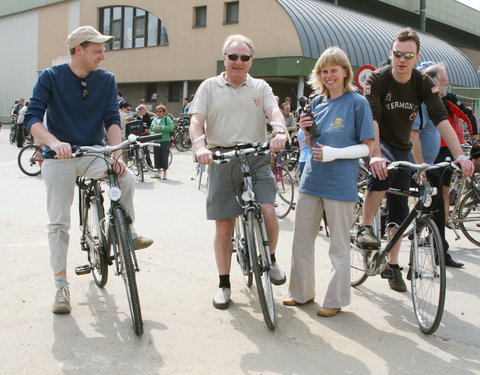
pixel 408 55
pixel 83 82
pixel 234 57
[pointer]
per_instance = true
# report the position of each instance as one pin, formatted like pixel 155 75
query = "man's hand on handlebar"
pixel 119 167
pixel 62 150
pixel 203 155
pixel 378 167
pixel 278 143
pixel 466 165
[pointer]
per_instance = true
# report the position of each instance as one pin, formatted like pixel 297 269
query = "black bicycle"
pixel 181 134
pixel 107 237
pixel 426 262
pixel 250 241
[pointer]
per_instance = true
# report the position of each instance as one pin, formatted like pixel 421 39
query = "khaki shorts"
pixel 225 184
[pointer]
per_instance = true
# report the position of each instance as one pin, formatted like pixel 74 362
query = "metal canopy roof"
pixel 367 39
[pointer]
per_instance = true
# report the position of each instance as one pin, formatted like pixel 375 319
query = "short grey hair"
pixel 433 70
pixel 238 38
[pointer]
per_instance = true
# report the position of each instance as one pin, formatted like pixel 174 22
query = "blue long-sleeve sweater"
pixel 70 118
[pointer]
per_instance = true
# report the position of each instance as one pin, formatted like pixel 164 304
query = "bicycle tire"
pixel 427 274
pixel 241 250
pixel 469 217
pixel 357 256
pixel 93 238
pixel 149 150
pixel 260 269
pixel 127 270
pixel 285 191
pixel 141 162
pixel 170 157
pixel 178 141
pixel 29 160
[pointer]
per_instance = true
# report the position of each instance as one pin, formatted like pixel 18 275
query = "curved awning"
pixel 366 39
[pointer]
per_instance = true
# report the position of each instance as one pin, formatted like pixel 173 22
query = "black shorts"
pixel 397 206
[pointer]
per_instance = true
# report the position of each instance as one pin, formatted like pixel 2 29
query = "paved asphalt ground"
pixel 184 334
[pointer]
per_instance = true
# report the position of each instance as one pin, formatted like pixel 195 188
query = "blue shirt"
pixel 70 118
pixel 341 122
pixel 429 136
pixel 305 152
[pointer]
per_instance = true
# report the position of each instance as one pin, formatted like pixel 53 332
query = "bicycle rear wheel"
pixel 93 238
pixel 469 217
pixel 285 191
pixel 30 160
pixel 427 274
pixel 239 243
pixel 125 249
pixel 261 266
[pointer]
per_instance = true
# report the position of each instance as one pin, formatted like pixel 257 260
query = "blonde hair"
pixel 161 106
pixel 335 56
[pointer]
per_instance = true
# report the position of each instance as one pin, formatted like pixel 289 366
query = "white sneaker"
pixel 277 276
pixel 221 300
pixel 62 301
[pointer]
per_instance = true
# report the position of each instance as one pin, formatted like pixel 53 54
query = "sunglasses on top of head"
pixel 407 55
pixel 234 57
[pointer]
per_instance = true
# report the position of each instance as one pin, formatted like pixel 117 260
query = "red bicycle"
pixel 30 159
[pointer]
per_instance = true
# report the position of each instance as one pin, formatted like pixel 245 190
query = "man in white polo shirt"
pixel 230 109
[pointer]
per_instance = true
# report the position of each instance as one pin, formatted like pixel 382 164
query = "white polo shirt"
pixel 233 114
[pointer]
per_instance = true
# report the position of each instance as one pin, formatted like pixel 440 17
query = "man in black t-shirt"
pixel 393 115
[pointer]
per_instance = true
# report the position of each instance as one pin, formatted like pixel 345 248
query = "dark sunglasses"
pixel 408 55
pixel 83 82
pixel 234 57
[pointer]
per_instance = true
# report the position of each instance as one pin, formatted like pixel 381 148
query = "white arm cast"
pixel 350 152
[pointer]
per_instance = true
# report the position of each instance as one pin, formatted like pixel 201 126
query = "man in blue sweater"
pixel 82 108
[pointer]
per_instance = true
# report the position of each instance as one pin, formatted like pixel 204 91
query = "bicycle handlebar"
pixel 422 167
pixel 242 150
pixel 132 138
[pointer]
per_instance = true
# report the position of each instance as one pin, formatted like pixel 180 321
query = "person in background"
pixel 289 118
pixel 344 125
pixel 161 124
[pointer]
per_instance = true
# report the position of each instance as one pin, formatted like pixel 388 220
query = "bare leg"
pixel 271 223
pixel 223 245
pixel 373 200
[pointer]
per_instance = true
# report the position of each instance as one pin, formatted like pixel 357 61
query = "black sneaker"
pixel 366 239
pixel 396 281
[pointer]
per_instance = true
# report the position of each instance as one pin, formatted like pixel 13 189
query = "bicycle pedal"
pixel 387 274
pixel 83 270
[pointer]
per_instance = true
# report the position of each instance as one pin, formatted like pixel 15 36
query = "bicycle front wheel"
pixel 469 217
pixel 357 255
pixel 125 249
pixel 30 160
pixel 285 191
pixel 261 265
pixel 239 243
pixel 93 238
pixel 427 275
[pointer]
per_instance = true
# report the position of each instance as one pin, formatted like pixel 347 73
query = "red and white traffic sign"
pixel 362 74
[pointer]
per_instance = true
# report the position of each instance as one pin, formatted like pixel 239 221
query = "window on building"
pixel 231 12
pixel 151 92
pixel 132 28
pixel 174 90
pixel 200 16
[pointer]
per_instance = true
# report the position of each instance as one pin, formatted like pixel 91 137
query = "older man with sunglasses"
pixel 81 106
pixel 235 106
pixel 393 113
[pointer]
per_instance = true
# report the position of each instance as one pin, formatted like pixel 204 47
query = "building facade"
pixel 163 49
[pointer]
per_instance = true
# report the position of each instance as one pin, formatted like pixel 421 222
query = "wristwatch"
pixel 281 131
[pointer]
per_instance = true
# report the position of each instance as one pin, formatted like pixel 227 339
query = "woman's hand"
pixel 318 152
pixel 305 122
